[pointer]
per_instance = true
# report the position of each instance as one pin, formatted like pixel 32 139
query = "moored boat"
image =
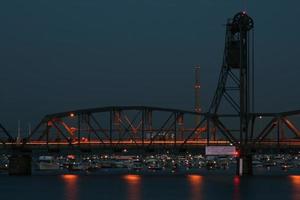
pixel 47 163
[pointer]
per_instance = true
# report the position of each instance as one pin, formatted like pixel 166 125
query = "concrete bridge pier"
pixel 19 165
pixel 244 163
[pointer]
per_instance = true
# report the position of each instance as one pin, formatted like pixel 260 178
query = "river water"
pixel 150 187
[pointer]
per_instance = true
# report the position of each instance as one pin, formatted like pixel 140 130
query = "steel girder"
pixel 114 126
pixel 149 127
pixel 7 137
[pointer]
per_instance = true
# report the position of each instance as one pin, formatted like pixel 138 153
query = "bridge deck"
pixel 128 145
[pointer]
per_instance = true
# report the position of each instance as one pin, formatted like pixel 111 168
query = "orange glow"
pixel 71 187
pixel 200 142
pixel 295 180
pixel 72 130
pixel 69 177
pixel 195 179
pixel 133 183
pixel 131 178
pixel 72 115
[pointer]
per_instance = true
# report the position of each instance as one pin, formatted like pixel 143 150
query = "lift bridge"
pixel 230 120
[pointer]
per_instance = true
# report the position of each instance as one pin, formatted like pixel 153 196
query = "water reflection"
pixel 133 183
pixel 195 182
pixel 71 189
pixel 295 181
pixel 236 188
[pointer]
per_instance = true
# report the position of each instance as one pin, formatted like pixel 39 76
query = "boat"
pixel 47 163
pixel 286 166
pixel 154 167
pixel 136 166
pixel 77 166
pixel 257 163
pixel 153 164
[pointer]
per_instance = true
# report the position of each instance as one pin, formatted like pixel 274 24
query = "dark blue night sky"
pixel 71 54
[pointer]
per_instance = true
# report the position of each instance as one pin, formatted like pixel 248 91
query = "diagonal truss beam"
pixel 268 128
pixel 224 130
pixel 6 133
pixel 99 126
pixel 291 126
pixel 160 129
pixel 93 130
pixel 193 131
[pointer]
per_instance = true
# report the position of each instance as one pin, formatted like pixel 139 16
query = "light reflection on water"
pixel 195 182
pixel 236 188
pixel 133 183
pixel 190 187
pixel 295 182
pixel 71 186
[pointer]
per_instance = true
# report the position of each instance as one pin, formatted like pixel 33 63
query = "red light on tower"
pixel 237 153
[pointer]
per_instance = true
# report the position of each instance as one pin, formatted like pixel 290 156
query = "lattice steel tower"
pixel 235 84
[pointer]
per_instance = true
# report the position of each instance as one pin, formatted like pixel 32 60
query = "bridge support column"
pixel 19 165
pixel 244 164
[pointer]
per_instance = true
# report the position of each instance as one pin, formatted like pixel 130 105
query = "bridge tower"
pixel 235 84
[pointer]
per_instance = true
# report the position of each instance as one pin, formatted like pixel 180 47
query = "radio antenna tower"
pixel 197 93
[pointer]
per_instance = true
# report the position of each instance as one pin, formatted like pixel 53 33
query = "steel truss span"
pixel 142 127
pixel 119 128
